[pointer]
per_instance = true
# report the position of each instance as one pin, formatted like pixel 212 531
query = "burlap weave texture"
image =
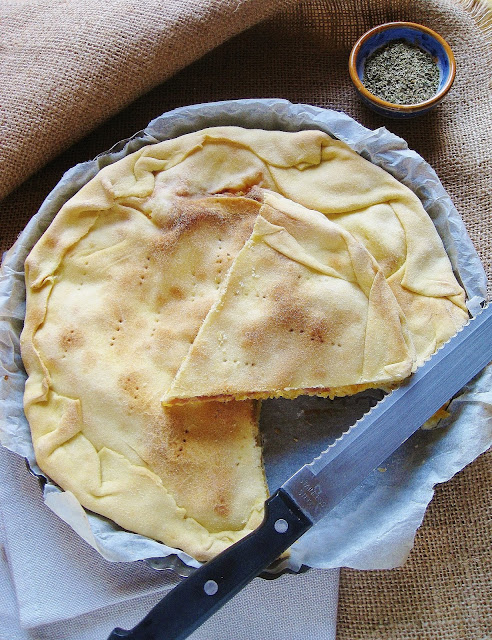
pixel 67 66
pixel 444 590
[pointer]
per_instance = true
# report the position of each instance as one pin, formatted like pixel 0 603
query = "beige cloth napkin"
pixel 66 67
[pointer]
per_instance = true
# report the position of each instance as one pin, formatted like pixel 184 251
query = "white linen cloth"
pixel 54 586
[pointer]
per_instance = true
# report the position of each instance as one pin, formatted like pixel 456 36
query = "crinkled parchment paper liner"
pixel 374 527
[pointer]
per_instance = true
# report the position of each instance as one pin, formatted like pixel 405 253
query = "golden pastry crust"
pixel 105 332
pixel 121 282
pixel 305 309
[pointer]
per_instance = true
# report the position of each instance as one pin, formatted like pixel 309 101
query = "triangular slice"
pixel 305 309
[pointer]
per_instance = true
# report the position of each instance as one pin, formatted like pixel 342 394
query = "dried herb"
pixel 401 73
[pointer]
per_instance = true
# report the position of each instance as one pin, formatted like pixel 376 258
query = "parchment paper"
pixel 374 527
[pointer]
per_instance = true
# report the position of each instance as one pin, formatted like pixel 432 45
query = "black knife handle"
pixel 195 599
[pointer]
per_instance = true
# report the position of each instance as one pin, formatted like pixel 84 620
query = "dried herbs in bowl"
pixel 402 69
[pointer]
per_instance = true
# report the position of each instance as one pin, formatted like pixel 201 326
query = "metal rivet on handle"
pixel 281 525
pixel 210 587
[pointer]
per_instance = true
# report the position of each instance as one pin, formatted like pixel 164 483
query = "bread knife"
pixel 317 487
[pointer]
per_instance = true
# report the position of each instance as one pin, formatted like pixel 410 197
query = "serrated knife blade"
pixel 319 486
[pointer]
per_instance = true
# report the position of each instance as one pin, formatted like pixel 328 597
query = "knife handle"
pixel 195 599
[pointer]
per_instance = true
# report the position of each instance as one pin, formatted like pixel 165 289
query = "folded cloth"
pixel 65 590
pixel 67 66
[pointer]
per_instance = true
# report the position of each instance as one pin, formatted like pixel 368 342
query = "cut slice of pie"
pixel 305 309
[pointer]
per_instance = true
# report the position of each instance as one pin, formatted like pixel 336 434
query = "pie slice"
pixel 305 309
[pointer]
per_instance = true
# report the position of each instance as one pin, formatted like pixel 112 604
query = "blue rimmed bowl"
pixel 414 34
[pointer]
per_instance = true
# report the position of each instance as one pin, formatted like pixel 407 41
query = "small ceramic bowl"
pixel 414 34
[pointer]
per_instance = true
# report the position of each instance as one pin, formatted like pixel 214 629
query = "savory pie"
pixel 126 282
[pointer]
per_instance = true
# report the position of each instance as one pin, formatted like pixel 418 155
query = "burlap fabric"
pixel 65 68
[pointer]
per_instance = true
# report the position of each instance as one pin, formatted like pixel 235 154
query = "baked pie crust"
pixel 123 284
